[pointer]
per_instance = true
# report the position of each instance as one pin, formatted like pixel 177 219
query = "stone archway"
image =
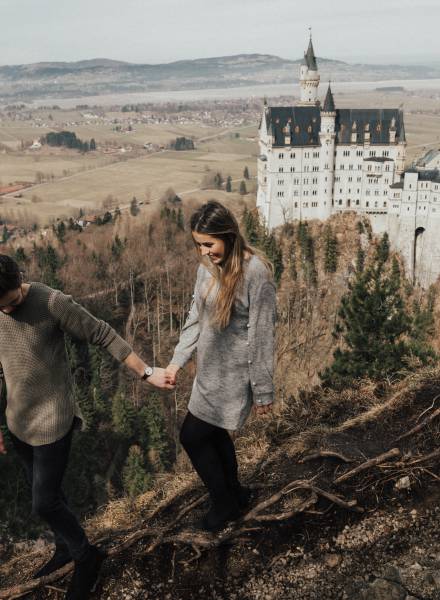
pixel 418 247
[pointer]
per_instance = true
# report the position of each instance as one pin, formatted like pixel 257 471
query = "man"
pixel 40 411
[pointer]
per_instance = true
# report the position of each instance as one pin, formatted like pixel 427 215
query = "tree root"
pixel 420 426
pixel 325 454
pixel 377 460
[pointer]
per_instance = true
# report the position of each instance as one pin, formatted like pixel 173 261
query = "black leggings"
pixel 212 454
pixel 45 467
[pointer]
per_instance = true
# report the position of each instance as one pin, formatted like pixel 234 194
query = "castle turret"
pixel 327 136
pixel 309 77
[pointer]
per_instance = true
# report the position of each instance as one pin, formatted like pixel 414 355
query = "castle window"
pixel 280 170
pixel 306 168
pixel 376 192
pixel 306 154
pixel 357 202
pixel 280 181
pixel 315 168
pixel 305 204
pixel 370 167
pixel 292 169
pixel 359 179
pixel 306 180
pixel 265 179
pixel 340 201
pixel 386 153
pixel 359 153
pixel 296 204
pixel 316 155
pixel 315 180
pixel 372 152
pixel 306 193
pixel 326 166
pixel 350 179
pixel 314 193
pixel 350 167
pixel 346 153
pixel 292 155
pixel 340 190
pixel 280 194
pixel 342 167
pixel 384 203
pixel 367 193
pixel 359 167
pixel 367 203
pixel 280 155
pixel 295 193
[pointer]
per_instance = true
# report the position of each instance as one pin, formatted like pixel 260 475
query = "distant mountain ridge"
pixel 101 75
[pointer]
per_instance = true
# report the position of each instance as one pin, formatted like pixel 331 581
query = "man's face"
pixel 10 300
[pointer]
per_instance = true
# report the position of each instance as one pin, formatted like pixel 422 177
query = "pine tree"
pixel 373 323
pixel 243 190
pixel 134 207
pixel 136 479
pixel 229 184
pixel 123 415
pixel 92 144
pixel 180 219
pixel 246 173
pixel 330 251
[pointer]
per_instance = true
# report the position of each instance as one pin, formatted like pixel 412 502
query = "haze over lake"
pixel 235 92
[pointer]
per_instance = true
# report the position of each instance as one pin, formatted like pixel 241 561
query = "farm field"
pixel 65 181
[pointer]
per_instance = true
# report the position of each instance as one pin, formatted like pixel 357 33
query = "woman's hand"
pixel 264 409
pixel 2 444
pixel 161 379
pixel 171 372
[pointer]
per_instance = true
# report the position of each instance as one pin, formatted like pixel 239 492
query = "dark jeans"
pixel 45 467
pixel 212 453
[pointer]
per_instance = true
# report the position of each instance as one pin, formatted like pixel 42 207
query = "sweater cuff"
pixel 263 399
pixel 119 349
pixel 179 359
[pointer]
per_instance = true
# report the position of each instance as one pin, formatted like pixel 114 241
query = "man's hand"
pixel 161 379
pixel 2 444
pixel 265 409
pixel 171 372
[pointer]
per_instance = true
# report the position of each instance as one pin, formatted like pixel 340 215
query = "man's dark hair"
pixel 10 276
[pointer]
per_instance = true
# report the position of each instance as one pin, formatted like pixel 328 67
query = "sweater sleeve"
pixel 261 337
pixel 74 319
pixel 189 335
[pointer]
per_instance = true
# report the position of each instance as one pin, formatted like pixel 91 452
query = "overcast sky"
pixel 153 31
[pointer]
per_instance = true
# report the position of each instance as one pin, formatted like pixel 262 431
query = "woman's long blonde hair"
pixel 216 220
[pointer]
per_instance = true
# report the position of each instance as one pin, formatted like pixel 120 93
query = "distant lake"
pixel 281 89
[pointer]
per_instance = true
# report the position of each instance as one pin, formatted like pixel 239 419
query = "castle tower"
pixel 327 136
pixel 309 77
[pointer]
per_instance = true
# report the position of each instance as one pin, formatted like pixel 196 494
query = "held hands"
pixel 2 444
pixel 160 379
pixel 171 372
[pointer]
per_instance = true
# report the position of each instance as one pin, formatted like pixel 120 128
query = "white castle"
pixel 317 160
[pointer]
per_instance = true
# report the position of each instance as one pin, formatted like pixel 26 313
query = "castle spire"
pixel 329 102
pixel 310 57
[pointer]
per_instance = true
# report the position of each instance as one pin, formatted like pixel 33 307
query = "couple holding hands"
pixel 231 325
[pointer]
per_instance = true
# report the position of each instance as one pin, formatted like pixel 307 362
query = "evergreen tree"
pixel 61 232
pixel 330 251
pixel 218 181
pixel 123 415
pixel 243 190
pixel 229 184
pixel 373 324
pixel 246 173
pixel 136 479
pixel 92 144
pixel 20 255
pixel 134 207
pixel 307 248
pixel 360 260
pixel 180 219
pixel 117 247
pixel 5 234
pixel 292 260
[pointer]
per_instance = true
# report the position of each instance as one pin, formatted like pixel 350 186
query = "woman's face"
pixel 210 246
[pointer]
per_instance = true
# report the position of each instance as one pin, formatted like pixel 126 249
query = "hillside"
pixel 101 76
pixel 346 484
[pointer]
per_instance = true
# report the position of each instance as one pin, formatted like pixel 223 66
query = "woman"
pixel 231 323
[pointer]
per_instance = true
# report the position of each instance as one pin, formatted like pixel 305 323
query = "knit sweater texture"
pixel 235 364
pixel 39 401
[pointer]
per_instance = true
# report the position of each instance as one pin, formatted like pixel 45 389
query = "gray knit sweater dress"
pixel 235 364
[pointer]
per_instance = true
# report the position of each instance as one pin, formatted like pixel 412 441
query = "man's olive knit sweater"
pixel 39 404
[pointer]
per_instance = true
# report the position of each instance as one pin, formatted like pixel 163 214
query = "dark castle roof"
pixel 303 124
pixel 329 102
pixel 431 175
pixel 310 58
